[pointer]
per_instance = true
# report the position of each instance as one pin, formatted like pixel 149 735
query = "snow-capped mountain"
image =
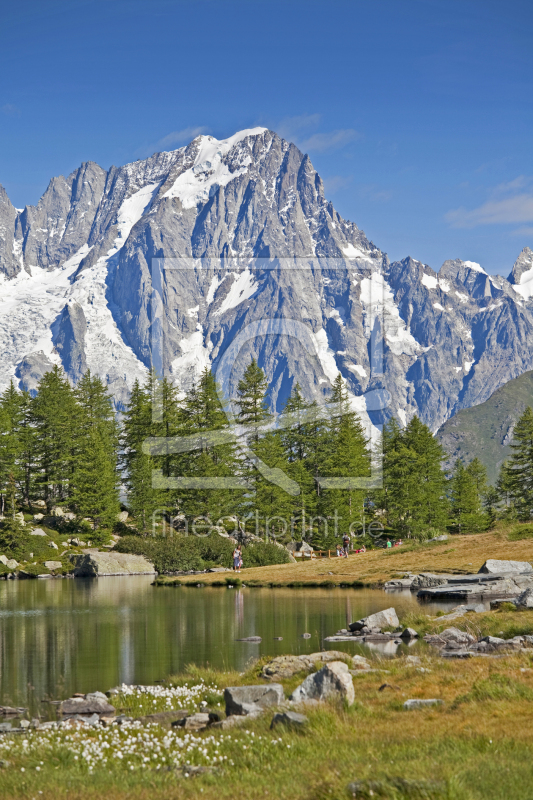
pixel 76 286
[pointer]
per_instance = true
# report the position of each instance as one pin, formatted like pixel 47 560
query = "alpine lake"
pixel 58 637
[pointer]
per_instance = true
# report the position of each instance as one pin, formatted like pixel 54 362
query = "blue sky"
pixel 417 114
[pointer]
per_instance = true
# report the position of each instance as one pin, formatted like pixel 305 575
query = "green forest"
pixel 66 447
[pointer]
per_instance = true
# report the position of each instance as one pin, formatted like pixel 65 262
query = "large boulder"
pixel 53 565
pixel 93 565
pixel 283 667
pixel 249 700
pixel 93 703
pixel 493 566
pixel 333 681
pixel 452 638
pixel 38 532
pixel 382 619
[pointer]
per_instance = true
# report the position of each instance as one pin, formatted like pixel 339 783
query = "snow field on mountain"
pixel 208 172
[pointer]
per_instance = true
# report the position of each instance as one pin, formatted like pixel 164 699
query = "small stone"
pixel 418 703
pixel 289 718
pixel 53 544
pixel 252 639
pixel 195 722
pixel 24 723
pixel 382 619
pixel 305 636
pixel 412 661
pixel 409 633
pixel 278 638
pixel 38 517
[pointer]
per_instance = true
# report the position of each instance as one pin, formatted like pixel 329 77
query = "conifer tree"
pixel 215 454
pixel 251 398
pixel 95 476
pixel 519 469
pixel 466 500
pixel 415 484
pixel 143 500
pixel 348 458
pixel 54 417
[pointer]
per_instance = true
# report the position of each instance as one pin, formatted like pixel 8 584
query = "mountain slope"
pixel 486 430
pixel 77 287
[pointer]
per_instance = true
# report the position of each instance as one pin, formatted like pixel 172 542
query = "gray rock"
pixel 53 565
pixel 413 661
pixel 381 619
pixel 442 538
pixel 53 545
pixel 451 637
pixel 418 703
pixel 96 564
pixel 427 579
pixel 492 566
pixel 409 633
pixel 333 681
pixel 38 531
pixel 4 560
pixel 196 722
pixel 86 706
pixel 243 700
pixel 525 600
pixel 291 719
pixel 283 667
pixel 252 639
pixel 38 517
pixel 11 563
pixel 305 636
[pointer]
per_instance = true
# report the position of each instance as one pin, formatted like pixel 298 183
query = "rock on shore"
pixel 93 565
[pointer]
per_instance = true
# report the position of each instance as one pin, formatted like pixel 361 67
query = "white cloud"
pixel 173 140
pixel 296 129
pixel 509 203
pixel 10 110
pixel 336 182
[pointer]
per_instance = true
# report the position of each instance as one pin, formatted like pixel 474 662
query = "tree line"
pixel 65 446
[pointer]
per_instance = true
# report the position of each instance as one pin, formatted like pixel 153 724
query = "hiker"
pixel 346 544
pixel 236 560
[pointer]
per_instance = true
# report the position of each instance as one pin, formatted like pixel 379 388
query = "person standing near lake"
pixel 389 543
pixel 237 559
pixel 346 544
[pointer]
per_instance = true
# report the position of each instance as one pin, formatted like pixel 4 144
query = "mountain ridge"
pixel 76 285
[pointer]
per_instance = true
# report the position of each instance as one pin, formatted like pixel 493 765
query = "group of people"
pixel 237 559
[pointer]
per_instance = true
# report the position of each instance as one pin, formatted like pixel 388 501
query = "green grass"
pixel 476 746
pixel 519 532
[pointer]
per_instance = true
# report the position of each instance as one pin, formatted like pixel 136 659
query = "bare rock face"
pixel 494 566
pixel 333 681
pixel 246 700
pixel 93 565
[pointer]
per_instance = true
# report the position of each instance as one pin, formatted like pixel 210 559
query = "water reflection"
pixel 58 637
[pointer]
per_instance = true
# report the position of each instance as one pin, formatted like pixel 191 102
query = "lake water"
pixel 63 636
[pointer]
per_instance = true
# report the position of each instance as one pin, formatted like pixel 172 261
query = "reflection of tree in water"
pixel 82 635
pixel 239 608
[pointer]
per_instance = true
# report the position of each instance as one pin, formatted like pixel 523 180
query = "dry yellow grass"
pixel 458 554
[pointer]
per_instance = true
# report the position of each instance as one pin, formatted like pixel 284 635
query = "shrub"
pixel 521 532
pixel 262 554
pixel 184 553
pixel 33 570
pixel 11 536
